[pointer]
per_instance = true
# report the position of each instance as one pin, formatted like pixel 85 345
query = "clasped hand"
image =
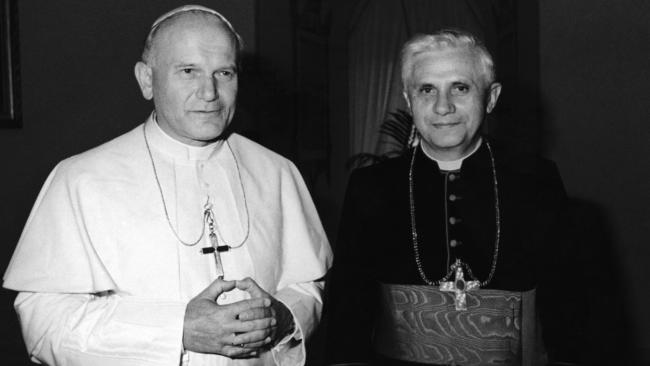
pixel 239 330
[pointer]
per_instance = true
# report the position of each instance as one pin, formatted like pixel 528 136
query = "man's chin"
pixel 450 146
pixel 211 137
pixel 215 132
pixel 446 140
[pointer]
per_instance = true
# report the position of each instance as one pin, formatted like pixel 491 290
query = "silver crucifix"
pixel 459 286
pixel 217 254
pixel 214 247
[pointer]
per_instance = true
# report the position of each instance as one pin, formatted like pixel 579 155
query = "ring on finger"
pixel 235 344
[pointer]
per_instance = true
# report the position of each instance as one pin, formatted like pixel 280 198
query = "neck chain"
pixel 208 214
pixel 458 263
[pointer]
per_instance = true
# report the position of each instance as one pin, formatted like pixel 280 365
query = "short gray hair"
pixel 445 39
pixel 191 9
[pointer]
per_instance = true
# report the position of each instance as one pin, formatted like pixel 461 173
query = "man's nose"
pixel 208 89
pixel 444 104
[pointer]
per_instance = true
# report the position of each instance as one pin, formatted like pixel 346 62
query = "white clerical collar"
pixel 161 141
pixel 450 165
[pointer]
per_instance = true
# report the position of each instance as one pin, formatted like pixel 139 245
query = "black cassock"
pixel 371 316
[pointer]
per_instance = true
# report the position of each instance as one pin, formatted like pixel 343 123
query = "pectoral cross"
pixel 459 286
pixel 215 248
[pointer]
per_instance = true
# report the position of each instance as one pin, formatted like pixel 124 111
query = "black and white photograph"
pixel 325 182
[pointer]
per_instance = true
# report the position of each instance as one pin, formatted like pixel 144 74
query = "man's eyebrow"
pixel 423 84
pixel 230 66
pixel 182 64
pixel 464 80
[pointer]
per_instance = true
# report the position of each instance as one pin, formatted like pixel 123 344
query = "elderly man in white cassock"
pixel 177 242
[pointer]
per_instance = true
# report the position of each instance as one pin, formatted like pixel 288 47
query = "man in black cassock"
pixel 445 252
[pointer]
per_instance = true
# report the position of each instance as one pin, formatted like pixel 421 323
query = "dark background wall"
pixel 78 90
pixel 595 105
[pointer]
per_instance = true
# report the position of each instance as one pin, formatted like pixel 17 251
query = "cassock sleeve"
pixel 84 329
pixel 349 310
pixel 305 259
pixel 60 277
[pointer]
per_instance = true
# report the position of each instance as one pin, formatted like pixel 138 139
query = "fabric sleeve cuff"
pixel 291 350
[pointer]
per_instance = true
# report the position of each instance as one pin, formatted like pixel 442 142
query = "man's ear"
pixel 492 96
pixel 144 75
pixel 406 98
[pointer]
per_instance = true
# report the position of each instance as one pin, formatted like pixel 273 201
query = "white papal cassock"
pixel 104 281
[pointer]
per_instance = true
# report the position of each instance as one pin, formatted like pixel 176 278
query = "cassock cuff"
pixel 291 349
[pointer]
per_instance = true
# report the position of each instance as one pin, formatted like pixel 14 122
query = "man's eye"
pixel 426 89
pixel 225 74
pixel 461 89
pixel 187 72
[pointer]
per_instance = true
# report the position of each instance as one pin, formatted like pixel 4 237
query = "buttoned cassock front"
pixel 375 251
pixel 104 281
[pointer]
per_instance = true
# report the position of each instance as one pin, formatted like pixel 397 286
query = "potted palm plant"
pixel 396 134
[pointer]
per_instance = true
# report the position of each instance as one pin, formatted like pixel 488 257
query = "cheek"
pixel 469 108
pixel 421 107
pixel 176 93
pixel 228 93
pixel 175 100
pixel 476 113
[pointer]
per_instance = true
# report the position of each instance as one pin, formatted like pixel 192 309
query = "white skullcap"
pixel 187 8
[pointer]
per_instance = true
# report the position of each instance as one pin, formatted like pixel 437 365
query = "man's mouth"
pixel 445 125
pixel 206 112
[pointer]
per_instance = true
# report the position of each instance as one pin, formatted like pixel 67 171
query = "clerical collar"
pixel 161 141
pixel 452 165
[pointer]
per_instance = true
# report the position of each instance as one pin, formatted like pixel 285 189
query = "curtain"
pixel 374 42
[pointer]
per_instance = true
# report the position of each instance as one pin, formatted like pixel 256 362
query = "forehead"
pixel 450 64
pixel 191 35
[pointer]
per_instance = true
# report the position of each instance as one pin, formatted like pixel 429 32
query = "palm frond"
pixel 397 125
pixel 394 132
pixel 363 159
